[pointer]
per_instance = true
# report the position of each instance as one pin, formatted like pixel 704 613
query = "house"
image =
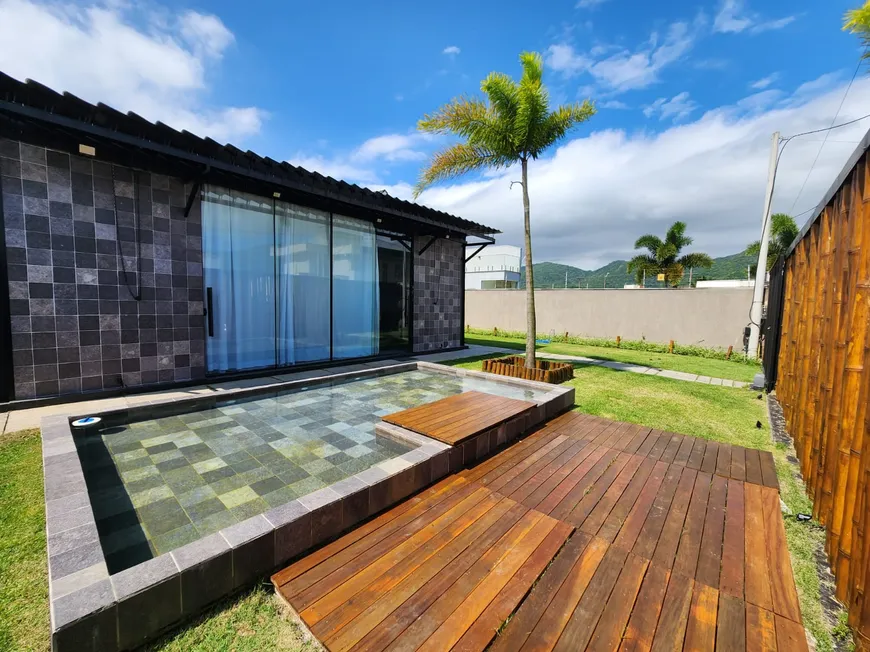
pixel 494 267
pixel 135 255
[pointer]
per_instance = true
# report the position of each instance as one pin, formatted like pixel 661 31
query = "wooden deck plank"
pixel 686 561
pixel 530 612
pixel 757 581
pixel 665 555
pixel 619 606
pixel 731 580
pixel 701 628
pixel 456 418
pixel 768 470
pixel 760 630
pixel 643 622
pixel 731 624
pixel 671 628
pixel 388 617
pixel 782 586
pixel 710 557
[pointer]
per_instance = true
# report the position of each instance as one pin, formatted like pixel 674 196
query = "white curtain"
pixel 355 288
pixel 238 263
pixel 302 248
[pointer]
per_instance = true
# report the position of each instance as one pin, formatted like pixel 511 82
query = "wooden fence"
pixel 824 377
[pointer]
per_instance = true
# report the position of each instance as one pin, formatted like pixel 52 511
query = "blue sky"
pixel 688 94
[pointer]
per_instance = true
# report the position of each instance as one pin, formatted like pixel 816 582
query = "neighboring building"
pixel 494 268
pixel 135 255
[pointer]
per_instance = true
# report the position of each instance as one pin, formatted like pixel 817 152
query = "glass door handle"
pixel 209 312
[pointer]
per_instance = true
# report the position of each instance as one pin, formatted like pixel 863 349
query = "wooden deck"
pixel 455 419
pixel 670 543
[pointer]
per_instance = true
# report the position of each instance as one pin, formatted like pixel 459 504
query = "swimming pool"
pixel 158 484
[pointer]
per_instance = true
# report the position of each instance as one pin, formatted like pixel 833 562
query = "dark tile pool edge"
pixel 91 610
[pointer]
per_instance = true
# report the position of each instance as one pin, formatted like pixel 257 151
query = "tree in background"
pixel 783 231
pixel 664 257
pixel 513 125
pixel 857 21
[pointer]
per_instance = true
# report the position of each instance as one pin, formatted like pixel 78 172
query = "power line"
pixel 825 140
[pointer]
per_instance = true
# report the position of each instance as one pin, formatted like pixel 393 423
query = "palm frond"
pixel 676 235
pixel 461 116
pixel 695 260
pixel 640 264
pixel 533 66
pixel 457 160
pixel 857 21
pixel 754 248
pixel 503 94
pixel 559 122
pixel 649 242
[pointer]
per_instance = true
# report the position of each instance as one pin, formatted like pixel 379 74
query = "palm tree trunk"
pixel 531 325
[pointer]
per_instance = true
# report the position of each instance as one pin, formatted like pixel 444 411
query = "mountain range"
pixel 548 275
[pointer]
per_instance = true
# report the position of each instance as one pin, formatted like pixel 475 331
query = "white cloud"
pixel 764 82
pixel 588 4
pixel 613 104
pixel 676 108
pixel 596 194
pixel 391 147
pixel 155 66
pixel 628 69
pixel 451 50
pixel 733 17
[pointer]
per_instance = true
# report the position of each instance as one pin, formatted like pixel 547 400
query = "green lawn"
pixel 255 620
pixel 691 364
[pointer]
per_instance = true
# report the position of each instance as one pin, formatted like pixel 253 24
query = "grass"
pixel 721 414
pixel 253 620
pixel 691 364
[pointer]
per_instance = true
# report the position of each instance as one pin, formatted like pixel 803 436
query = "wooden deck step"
pixel 454 419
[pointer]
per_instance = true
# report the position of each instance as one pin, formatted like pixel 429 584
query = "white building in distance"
pixel 495 267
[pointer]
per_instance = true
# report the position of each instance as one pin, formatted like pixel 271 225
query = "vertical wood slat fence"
pixel 824 377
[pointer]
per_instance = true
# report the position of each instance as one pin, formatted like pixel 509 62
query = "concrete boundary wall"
pixel 708 317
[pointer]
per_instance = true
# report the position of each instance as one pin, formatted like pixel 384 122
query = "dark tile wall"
pixel 438 294
pixel 76 326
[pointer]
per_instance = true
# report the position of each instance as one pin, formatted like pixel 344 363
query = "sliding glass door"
pixel 238 241
pixel 287 285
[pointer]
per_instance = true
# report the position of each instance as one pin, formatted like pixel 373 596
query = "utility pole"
pixel 691 269
pixel 644 279
pixel 566 277
pixel 605 280
pixel 761 271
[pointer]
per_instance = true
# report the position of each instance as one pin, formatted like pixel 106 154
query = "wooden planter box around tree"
pixel 545 370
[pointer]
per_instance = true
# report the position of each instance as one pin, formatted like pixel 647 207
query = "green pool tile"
pixel 130 465
pixel 353 466
pixel 150 496
pixel 207 507
pixel 236 458
pixel 167 456
pixel 218 474
pixel 281 496
pixel 162 516
pixel 317 466
pixel 245 465
pixel 161 448
pixel 209 465
pixel 249 509
pixel 148 482
pixel 175 538
pixel 267 485
pixel 156 441
pixel 307 485
pixel 131 455
pixel 196 495
pixel 293 474
pixel 226 485
pixel 255 475
pixel 197 453
pixel 332 475
pixel 117 541
pixel 183 480
pixel 186 440
pixel 171 465
pixel 237 496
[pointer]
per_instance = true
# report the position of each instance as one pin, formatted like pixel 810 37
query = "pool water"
pixel 159 484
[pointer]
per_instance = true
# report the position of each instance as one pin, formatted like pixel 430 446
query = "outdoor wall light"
pixel 276 195
pixel 379 220
pixel 87 150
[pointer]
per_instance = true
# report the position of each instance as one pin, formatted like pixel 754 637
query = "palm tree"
pixel 512 125
pixel 857 21
pixel 664 256
pixel 783 231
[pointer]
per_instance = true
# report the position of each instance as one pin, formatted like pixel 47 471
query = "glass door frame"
pixel 404 238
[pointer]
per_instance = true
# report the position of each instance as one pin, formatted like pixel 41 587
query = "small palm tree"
pixel 857 21
pixel 513 125
pixel 783 231
pixel 664 256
